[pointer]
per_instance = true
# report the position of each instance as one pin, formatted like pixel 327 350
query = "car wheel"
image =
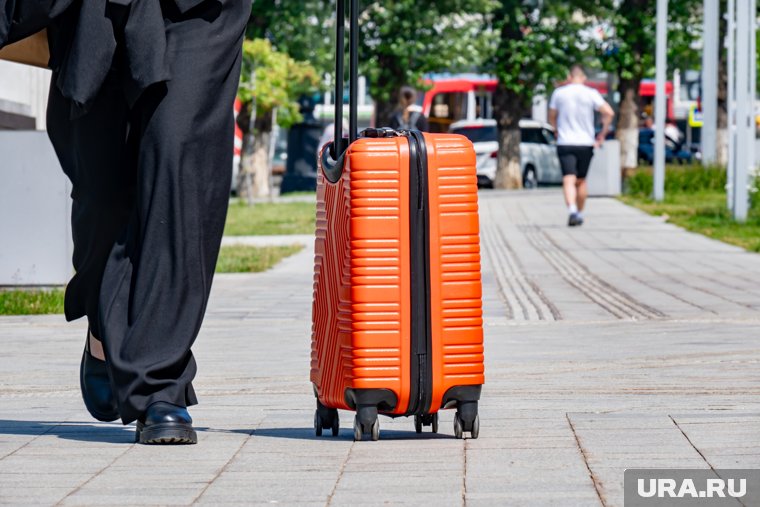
pixel 530 179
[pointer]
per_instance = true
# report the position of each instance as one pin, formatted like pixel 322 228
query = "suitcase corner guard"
pixel 461 395
pixel 384 399
pixel 332 168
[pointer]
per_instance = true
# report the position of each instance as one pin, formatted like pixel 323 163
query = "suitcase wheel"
pixel 426 420
pixel 467 420
pixel 326 419
pixel 366 421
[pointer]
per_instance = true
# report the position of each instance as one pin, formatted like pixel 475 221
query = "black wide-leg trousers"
pixel 151 185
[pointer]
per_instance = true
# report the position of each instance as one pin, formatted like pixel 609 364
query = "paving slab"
pixel 625 343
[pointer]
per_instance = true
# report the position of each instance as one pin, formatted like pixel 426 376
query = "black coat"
pixel 84 36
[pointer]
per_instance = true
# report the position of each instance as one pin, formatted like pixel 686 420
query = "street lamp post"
pixel 710 81
pixel 731 98
pixel 744 151
pixel 661 64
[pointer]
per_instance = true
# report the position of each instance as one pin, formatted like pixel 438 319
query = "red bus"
pixel 451 98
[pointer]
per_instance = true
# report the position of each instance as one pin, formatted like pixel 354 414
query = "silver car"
pixel 538 151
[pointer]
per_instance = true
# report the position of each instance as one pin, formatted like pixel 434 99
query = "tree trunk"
pixel 253 179
pixel 628 123
pixel 261 168
pixel 509 172
pixel 509 107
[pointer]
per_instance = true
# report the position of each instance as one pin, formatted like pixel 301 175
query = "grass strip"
pixel 271 219
pixel 31 302
pixel 695 199
pixel 252 259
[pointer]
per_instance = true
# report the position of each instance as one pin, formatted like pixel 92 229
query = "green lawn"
pixel 232 259
pixel 696 201
pixel 31 302
pixel 264 219
pixel 251 259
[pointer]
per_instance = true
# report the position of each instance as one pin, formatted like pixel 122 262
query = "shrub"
pixel 678 179
pixel 754 194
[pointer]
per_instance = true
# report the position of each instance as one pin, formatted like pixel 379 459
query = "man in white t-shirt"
pixel 571 113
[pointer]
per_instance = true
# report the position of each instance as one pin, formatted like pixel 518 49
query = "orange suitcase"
pixel 397 323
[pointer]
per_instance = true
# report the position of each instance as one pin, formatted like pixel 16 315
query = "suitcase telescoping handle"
pixel 353 74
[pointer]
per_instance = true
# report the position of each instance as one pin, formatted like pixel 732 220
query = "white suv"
pixel 538 151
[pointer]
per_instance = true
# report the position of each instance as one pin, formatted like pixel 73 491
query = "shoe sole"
pixel 166 434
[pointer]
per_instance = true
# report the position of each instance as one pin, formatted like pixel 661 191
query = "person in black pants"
pixel 571 113
pixel 140 116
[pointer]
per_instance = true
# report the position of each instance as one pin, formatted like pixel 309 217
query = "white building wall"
pixel 24 90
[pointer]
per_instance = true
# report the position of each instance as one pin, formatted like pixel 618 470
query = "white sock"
pixel 580 214
pixel 572 209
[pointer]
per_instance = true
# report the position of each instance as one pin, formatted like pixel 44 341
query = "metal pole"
pixel 340 53
pixel 710 81
pixel 353 72
pixel 661 63
pixel 752 15
pixel 731 106
pixel 743 111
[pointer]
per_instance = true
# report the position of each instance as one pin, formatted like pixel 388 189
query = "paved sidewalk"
pixel 293 239
pixel 625 343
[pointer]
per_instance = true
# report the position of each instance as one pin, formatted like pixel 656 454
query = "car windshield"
pixel 480 134
pixel 533 135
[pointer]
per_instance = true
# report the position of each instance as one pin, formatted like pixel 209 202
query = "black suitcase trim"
pixel 421 360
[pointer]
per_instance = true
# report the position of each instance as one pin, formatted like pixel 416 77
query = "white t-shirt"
pixel 575 105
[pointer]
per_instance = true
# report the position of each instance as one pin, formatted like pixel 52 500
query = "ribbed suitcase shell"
pixel 361 309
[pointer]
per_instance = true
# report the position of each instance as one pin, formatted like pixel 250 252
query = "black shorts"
pixel 575 160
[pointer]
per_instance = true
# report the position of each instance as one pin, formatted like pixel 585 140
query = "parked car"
pixel 675 151
pixel 538 151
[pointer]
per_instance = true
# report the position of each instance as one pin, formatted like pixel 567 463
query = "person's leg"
pixel 158 277
pixel 91 149
pixel 582 193
pixel 585 156
pixel 568 162
pixel 569 189
pixel 92 152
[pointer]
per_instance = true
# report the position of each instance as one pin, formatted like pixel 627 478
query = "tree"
pixel 302 29
pixel 270 81
pixel 630 53
pixel 402 40
pixel 279 34
pixel 534 49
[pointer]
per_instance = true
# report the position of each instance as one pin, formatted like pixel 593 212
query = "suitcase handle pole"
pixel 353 71
pixel 340 49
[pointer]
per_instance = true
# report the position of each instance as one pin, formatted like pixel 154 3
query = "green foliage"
pixel 274 80
pixel 271 219
pixel 36 302
pixel 534 47
pixel 678 180
pixel 252 259
pixel 402 40
pixel 754 194
pixel 405 39
pixel 630 50
pixel 303 29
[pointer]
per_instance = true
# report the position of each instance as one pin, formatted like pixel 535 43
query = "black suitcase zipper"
pixel 421 371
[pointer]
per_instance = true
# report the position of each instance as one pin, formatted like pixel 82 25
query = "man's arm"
pixel 553 119
pixel 605 110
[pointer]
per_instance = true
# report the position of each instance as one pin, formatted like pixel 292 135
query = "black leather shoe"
pixel 165 423
pixel 96 387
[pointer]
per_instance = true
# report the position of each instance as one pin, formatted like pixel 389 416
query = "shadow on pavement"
pixel 106 433
pixel 115 433
pixel 345 434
